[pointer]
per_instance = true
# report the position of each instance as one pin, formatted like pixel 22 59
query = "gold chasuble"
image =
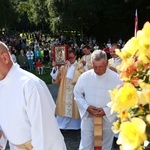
pixel 79 68
pixel 97 133
pixel 65 103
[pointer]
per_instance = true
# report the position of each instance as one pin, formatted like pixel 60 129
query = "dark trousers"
pixel 115 145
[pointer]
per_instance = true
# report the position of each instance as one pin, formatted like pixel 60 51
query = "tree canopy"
pixel 111 18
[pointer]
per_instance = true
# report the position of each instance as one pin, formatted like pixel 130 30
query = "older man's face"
pixel 100 66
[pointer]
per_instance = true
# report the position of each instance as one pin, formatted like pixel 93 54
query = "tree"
pixel 104 19
pixel 8 14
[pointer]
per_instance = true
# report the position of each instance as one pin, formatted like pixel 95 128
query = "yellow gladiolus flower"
pixel 144 85
pixel 139 148
pixel 124 98
pixel 129 49
pixel 144 58
pixel 146 28
pixel 116 127
pixel 144 97
pixel 144 43
pixel 143 38
pixel 144 34
pixel 125 64
pixel 144 94
pixel 124 116
pixel 133 98
pixel 132 134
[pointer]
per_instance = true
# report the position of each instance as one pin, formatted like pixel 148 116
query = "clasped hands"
pixel 96 112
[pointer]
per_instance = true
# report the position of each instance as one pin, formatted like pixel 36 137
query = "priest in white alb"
pixel 27 110
pixel 92 96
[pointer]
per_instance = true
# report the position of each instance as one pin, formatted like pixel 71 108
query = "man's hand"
pixel 96 112
pixel 92 110
pixel 83 62
pixel 101 112
pixel 67 63
pixel 54 64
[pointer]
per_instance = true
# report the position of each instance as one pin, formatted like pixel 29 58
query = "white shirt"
pixel 92 89
pixel 70 71
pixel 86 59
pixel 114 62
pixel 30 55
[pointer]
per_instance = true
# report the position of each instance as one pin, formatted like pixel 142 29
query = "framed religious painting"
pixel 60 54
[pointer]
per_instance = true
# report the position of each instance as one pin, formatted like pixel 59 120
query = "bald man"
pixel 27 108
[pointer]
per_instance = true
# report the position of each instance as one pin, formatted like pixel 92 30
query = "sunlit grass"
pixel 45 77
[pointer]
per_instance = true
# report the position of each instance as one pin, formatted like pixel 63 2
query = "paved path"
pixel 72 137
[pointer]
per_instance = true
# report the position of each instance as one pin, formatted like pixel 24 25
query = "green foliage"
pixel 86 16
pixel 140 111
pixel 37 11
pixel 8 14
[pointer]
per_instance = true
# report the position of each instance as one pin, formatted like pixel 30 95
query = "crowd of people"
pixel 34 121
pixel 38 45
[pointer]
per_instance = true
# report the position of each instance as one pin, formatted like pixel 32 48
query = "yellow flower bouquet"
pixel 131 101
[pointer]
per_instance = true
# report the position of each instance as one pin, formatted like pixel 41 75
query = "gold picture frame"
pixel 60 54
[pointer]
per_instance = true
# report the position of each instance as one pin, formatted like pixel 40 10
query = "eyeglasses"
pixel 71 58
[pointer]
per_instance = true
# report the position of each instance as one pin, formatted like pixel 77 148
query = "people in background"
pixel 96 47
pixel 115 60
pixel 22 60
pixel 37 53
pixel 13 56
pixel 46 54
pixel 39 66
pixel 30 57
pixel 107 51
pixel 84 64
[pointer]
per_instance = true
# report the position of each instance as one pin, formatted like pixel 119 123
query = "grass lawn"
pixel 45 77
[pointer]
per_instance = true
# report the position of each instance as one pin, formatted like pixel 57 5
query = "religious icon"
pixel 60 54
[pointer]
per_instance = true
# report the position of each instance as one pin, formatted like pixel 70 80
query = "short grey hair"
pixel 98 55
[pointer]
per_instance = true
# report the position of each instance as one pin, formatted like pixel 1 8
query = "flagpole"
pixel 135 23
